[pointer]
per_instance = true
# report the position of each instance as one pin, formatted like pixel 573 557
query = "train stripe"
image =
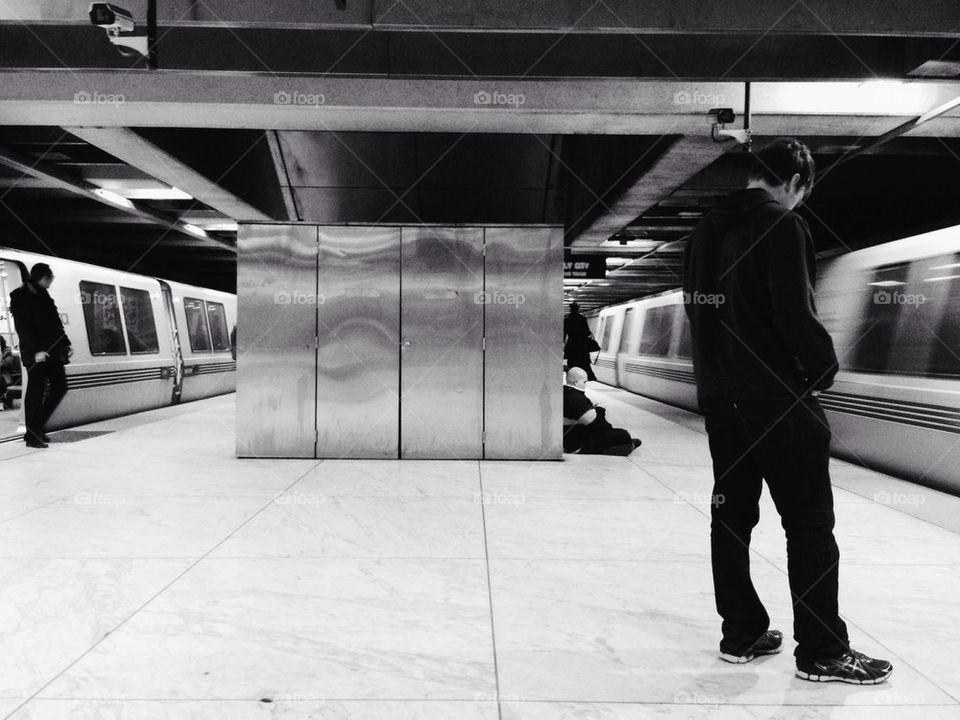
pixel 82 381
pixel 932 417
pixel 659 371
pixel 923 415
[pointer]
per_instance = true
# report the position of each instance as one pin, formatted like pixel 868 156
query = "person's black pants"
pixel 785 441
pixel 46 386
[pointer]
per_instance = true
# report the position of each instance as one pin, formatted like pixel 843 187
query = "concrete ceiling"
pixel 592 116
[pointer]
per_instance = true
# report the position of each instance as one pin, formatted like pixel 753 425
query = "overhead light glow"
pixel 945 267
pixel 194 230
pixel 113 198
pixel 886 283
pixel 154 193
pixel 942 277
pixel 220 225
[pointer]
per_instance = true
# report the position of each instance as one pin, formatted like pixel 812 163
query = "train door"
pixel 175 343
pixel 12 376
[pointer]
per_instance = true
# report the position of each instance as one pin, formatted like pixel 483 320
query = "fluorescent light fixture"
pixel 941 277
pixel 194 230
pixel 945 267
pixel 113 198
pixel 170 193
pixel 220 225
pixel 886 283
pixel 618 261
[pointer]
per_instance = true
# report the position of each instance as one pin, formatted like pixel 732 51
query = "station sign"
pixel 587 267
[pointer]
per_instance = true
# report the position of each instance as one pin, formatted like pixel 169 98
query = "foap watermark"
pixel 298 298
pixel 495 97
pixel 699 498
pixel 99 498
pixel 495 498
pixel 300 498
pixel 698 97
pixel 687 697
pixel 102 299
pixel 494 697
pixel 496 297
pixel 299 98
pixel 892 297
pixel 94 97
pixel 699 298
pixel 900 498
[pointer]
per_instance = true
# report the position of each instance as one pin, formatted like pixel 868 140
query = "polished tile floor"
pixel 147 574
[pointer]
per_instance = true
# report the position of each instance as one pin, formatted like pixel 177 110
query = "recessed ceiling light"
pixel 113 198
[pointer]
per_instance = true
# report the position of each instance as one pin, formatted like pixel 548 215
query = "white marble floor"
pixel 147 574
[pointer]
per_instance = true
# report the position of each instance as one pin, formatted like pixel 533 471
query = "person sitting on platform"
pixel 585 427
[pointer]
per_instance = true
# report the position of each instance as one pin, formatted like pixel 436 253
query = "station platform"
pixel 147 574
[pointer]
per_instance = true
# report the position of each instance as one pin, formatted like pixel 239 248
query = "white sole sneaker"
pixel 834 678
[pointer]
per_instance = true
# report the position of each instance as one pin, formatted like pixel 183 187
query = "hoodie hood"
pixel 734 207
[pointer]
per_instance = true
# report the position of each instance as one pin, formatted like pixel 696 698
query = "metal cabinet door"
pixel 276 340
pixel 358 363
pixel 441 354
pixel 524 348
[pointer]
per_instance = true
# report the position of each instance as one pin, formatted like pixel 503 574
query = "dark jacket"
pixel 38 324
pixel 749 274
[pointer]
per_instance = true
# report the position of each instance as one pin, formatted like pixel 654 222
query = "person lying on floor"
pixel 585 426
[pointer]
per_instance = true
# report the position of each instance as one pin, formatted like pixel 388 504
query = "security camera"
pixel 723 116
pixel 120 28
pixel 720 117
pixel 112 18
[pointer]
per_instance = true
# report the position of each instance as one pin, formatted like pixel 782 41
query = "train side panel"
pixel 205 320
pixel 122 358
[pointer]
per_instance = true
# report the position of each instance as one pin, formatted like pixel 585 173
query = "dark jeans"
pixel 785 441
pixel 46 386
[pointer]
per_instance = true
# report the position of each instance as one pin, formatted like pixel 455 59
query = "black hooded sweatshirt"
pixel 749 274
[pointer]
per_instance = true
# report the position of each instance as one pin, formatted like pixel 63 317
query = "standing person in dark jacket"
pixel 576 335
pixel 760 357
pixel 44 350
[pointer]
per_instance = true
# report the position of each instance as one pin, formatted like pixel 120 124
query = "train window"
pixel 101 313
pixel 218 326
pixel 874 337
pixel 945 358
pixel 657 326
pixel 684 348
pixel 138 315
pixel 628 320
pixel 607 334
pixel 197 329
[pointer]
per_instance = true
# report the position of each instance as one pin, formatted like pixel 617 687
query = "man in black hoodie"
pixel 761 355
pixel 44 350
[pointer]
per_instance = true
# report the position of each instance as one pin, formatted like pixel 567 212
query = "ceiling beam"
pixel 55 177
pixel 131 148
pixel 183 99
pixel 851 17
pixel 682 160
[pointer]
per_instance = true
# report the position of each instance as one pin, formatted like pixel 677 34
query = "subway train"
pixel 139 342
pixel 893 311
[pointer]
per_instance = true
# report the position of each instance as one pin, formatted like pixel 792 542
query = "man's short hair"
pixel 39 271
pixel 777 162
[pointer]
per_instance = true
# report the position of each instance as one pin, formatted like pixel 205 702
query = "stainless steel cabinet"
pixel 411 342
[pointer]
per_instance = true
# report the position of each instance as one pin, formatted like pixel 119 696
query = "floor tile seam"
pixel 143 605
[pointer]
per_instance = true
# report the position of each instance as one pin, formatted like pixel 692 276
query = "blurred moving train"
pixel 893 311
pixel 138 342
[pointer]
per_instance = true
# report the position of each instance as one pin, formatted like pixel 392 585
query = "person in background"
pixel 760 356
pixel 576 339
pixel 44 351
pixel 586 429
pixel 6 355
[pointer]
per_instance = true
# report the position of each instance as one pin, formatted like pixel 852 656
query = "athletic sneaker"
pixel 770 643
pixel 851 667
